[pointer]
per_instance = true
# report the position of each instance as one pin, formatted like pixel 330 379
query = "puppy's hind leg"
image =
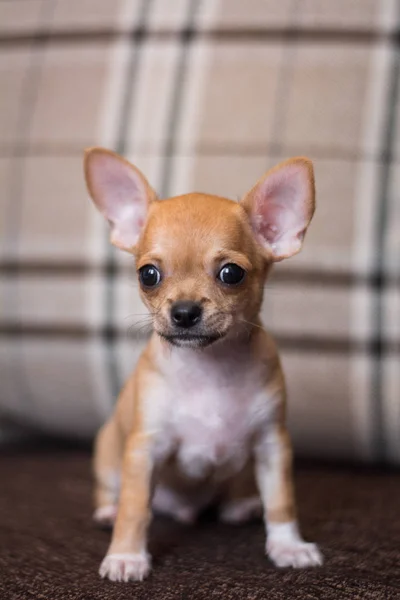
pixel 107 469
pixel 241 501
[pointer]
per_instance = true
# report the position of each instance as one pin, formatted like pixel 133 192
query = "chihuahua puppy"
pixel 202 418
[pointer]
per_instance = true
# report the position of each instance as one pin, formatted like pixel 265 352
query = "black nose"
pixel 186 314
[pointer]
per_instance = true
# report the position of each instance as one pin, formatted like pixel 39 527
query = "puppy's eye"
pixel 231 274
pixel 149 276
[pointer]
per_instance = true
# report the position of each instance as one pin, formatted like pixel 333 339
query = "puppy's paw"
pixel 241 510
pixel 125 567
pixel 167 502
pixel 286 548
pixel 105 516
pixel 185 515
pixel 293 553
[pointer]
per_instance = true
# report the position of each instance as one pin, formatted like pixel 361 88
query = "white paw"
pixel 293 553
pixel 105 515
pixel 125 567
pixel 168 502
pixel 240 511
pixel 185 515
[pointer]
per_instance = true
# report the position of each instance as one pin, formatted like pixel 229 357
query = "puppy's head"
pixel 202 260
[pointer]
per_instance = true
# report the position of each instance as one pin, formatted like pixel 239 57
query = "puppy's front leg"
pixel 127 557
pixel 285 547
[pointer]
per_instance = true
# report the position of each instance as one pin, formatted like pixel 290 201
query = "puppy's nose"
pixel 186 314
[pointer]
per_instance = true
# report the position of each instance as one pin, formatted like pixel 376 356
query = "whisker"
pixel 253 324
pixel 146 321
pixel 138 332
pixel 141 322
pixel 139 315
pixel 145 314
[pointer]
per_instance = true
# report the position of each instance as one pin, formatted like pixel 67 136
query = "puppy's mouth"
pixel 190 340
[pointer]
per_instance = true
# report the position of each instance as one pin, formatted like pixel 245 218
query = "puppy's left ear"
pixel 280 207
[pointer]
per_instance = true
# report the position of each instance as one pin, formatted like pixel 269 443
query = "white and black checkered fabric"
pixel 202 95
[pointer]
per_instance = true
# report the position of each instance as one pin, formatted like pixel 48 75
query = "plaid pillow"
pixel 202 95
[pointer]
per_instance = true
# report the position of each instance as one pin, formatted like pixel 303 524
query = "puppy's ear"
pixel 120 192
pixel 280 207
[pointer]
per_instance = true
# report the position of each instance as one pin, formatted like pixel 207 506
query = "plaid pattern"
pixel 202 95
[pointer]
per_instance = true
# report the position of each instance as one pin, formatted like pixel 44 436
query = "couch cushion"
pixel 201 96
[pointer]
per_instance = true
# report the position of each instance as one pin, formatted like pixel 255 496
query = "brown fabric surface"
pixel 50 549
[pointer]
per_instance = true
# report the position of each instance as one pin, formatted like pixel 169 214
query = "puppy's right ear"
pixel 120 192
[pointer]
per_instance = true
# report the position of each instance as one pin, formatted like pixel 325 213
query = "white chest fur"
pixel 214 401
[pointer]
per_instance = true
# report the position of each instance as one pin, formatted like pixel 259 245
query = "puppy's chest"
pixel 211 429
pixel 211 419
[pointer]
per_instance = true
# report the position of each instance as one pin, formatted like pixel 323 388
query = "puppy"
pixel 202 417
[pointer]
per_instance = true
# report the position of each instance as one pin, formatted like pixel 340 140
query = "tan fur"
pixel 189 238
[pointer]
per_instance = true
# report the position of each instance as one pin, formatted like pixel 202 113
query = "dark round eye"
pixel 149 276
pixel 231 274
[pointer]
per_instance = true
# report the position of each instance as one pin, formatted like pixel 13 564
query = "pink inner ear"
pixel 121 196
pixel 282 209
pixel 119 192
pixel 276 221
pixel 126 206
